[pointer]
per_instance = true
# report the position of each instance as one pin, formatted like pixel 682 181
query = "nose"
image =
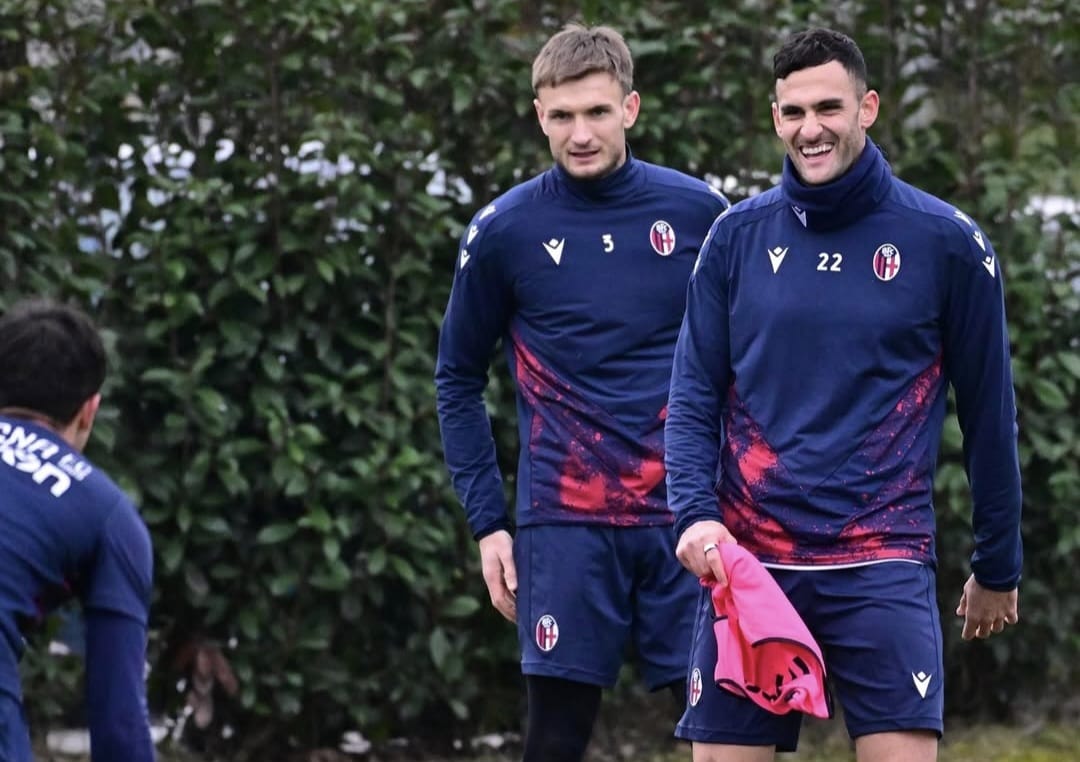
pixel 811 128
pixel 581 133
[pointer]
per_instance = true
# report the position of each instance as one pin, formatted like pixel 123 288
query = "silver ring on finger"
pixel 710 546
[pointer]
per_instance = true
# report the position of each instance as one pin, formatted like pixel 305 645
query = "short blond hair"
pixel 578 51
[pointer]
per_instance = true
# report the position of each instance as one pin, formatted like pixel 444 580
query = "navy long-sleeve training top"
pixel 809 383
pixel 67 531
pixel 585 282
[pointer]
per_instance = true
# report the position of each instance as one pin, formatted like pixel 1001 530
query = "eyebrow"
pixel 824 105
pixel 603 107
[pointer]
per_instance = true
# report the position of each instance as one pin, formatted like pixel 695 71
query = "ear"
pixel 84 419
pixel 540 114
pixel 631 108
pixel 776 118
pixel 868 109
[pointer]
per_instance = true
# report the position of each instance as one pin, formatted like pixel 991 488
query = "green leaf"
pixel 1050 394
pixel 276 533
pixel 439 647
pixel 1071 362
pixel 377 562
pixel 460 607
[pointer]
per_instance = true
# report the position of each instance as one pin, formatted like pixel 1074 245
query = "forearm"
pixel 469 450
pixel 692 436
pixel 115 689
pixel 691 447
pixel 978 360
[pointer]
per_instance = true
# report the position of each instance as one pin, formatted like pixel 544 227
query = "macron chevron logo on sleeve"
pixel 961 216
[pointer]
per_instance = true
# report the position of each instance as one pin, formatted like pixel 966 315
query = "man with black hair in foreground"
pixel 67 531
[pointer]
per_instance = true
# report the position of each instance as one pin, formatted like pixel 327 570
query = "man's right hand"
pixel 500 574
pixel 697 550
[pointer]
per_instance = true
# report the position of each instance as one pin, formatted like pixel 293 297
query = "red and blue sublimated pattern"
pixel 585 465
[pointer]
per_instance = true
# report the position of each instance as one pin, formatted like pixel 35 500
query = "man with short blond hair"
pixel 582 272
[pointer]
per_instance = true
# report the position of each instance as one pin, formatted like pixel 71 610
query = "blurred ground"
pixel 635 728
pixel 1047 743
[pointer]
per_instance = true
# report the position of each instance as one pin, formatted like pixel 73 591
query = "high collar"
pixel 842 201
pixel 613 187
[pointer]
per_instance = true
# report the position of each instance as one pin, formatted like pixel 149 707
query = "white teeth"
pixel 816 150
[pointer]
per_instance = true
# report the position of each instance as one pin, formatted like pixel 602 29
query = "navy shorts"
pixel 880 633
pixel 14 733
pixel 587 594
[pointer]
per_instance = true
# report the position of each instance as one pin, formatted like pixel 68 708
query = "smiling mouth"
pixel 811 152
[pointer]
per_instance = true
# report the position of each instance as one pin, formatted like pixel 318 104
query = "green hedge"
pixel 260 200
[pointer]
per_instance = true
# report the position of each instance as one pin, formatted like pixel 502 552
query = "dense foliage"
pixel 260 201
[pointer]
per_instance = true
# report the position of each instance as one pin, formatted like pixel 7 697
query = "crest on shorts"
pixel 886 262
pixel 695 687
pixel 547 633
pixel 662 238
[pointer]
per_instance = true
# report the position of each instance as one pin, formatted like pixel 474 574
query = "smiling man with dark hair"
pixel 825 320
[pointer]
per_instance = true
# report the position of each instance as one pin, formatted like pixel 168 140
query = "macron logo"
pixel 988 263
pixel 472 234
pixel 464 258
pixel 801 214
pixel 777 256
pixel 922 682
pixel 554 249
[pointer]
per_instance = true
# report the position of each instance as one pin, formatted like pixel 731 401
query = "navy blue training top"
pixel 823 324
pixel 585 283
pixel 67 531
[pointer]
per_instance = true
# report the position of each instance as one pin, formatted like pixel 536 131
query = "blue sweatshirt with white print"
pixel 68 532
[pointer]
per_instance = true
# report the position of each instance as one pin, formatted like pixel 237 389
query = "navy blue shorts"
pixel 880 632
pixel 587 594
pixel 14 733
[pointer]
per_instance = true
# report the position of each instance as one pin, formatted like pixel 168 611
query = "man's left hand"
pixel 985 611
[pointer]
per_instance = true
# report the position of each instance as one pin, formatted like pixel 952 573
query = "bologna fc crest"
pixel 886 262
pixel 547 633
pixel 662 238
pixel 695 686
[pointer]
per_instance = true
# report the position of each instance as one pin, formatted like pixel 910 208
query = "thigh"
pixel 573 603
pixel 717 716
pixel 665 604
pixel 909 746
pixel 880 631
